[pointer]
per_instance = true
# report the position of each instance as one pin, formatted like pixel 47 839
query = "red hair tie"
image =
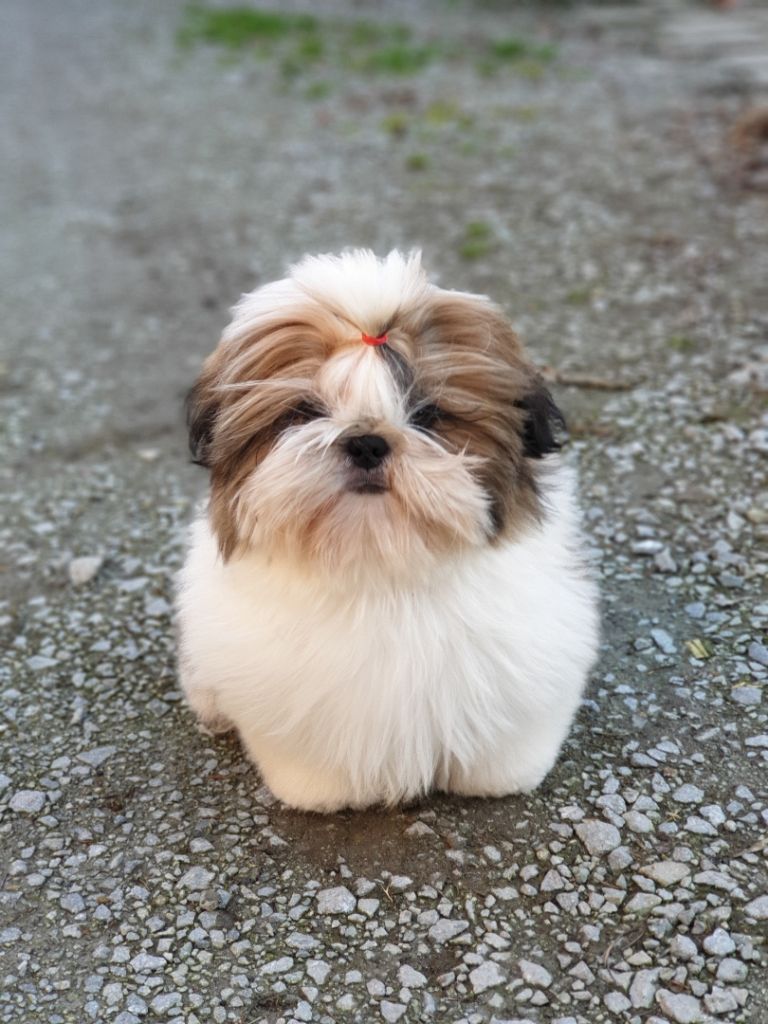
pixel 368 340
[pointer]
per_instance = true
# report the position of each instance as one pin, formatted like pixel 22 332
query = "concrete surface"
pixel 146 875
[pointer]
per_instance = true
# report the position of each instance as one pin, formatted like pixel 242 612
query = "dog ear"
pixel 202 408
pixel 543 422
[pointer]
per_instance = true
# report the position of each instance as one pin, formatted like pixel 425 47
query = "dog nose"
pixel 367 451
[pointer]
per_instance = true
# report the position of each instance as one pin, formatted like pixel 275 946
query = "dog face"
pixel 357 457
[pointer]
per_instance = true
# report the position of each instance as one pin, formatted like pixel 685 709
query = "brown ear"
pixel 202 406
pixel 543 421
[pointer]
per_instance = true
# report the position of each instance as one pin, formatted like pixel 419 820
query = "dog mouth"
pixel 368 481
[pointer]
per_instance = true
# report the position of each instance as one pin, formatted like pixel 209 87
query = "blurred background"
pixel 601 171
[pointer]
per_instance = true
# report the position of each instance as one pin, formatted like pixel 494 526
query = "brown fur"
pixel 454 351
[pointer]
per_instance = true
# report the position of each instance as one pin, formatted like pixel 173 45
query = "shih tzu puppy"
pixel 385 594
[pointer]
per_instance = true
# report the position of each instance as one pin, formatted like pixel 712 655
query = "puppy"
pixel 385 594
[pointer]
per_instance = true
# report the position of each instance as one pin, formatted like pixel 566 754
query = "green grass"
pixel 397 59
pixel 478 240
pixel 681 343
pixel 579 296
pixel 515 49
pixel 417 162
pixel 237 27
pixel 363 47
pixel 396 124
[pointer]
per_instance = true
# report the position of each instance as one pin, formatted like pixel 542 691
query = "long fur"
pixel 374 633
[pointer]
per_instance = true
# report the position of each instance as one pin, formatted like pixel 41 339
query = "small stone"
pixel 680 1008
pixel 336 901
pixel 146 963
pixel 638 822
pixel 758 652
pixel 721 1000
pixel 552 881
pixel 732 971
pixel 410 977
pixel 747 696
pixel 419 828
pixel 688 794
pixel 8 935
pixel 4 782
pixel 643 988
pixel 696 610
pixel 72 902
pixel 299 940
pixel 278 966
pixel 664 562
pixel 318 970
pixel 683 948
pixel 620 858
pixel 165 1001
pixel 391 1011
pixel 647 547
pixel 719 943
pixel 663 641
pixel 757 741
pixel 27 801
pixel 82 570
pixel 757 908
pixel 196 878
pixel 534 974
pixel 368 906
pixel 616 1002
pixel 599 837
pixel 446 929
pixel 666 872
pixel 486 975
pixel 97 756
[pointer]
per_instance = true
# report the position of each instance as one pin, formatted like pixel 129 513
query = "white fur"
pixel 404 650
pixel 347 695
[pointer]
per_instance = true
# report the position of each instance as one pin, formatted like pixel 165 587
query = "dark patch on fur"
pixel 399 367
pixel 543 422
pixel 201 412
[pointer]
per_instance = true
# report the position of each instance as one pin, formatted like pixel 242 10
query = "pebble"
pixel 719 943
pixel 647 547
pixel 278 966
pixel 643 988
pixel 599 837
pixel 757 908
pixel 446 929
pixel 72 902
pixel 758 652
pixel 97 756
pixel 391 1011
pixel 336 901
pixel 616 1002
pixel 678 1007
pixel 534 974
pixel 663 641
pixel 486 975
pixel 196 878
pixel 688 794
pixel 732 971
pixel 82 570
pixel 145 963
pixel 666 872
pixel 27 801
pixel 410 977
pixel 683 948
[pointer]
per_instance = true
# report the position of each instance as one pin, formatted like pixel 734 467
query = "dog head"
pixel 357 417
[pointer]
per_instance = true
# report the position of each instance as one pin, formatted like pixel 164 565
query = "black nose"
pixel 367 451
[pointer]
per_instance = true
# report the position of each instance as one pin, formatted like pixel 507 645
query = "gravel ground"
pixel 582 176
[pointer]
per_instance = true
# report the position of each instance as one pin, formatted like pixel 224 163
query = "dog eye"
pixel 426 416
